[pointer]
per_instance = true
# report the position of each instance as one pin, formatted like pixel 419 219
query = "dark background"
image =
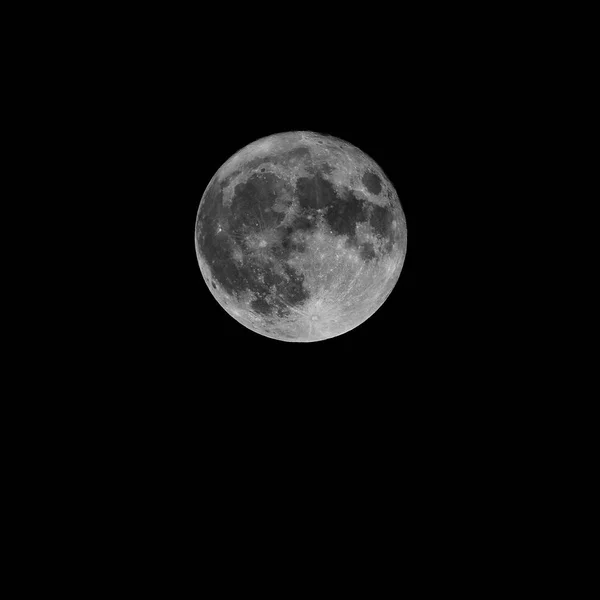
pixel 154 414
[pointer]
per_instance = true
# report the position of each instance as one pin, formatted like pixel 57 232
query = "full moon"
pixel 300 236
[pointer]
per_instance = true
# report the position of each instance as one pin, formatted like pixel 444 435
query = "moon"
pixel 300 236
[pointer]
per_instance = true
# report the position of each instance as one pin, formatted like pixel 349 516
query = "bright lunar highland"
pixel 300 236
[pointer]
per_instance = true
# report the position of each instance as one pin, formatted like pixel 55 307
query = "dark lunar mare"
pixel 381 220
pixel 372 182
pixel 250 212
pixel 342 213
pixel 251 207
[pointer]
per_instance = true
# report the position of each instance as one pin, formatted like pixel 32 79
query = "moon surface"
pixel 300 236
